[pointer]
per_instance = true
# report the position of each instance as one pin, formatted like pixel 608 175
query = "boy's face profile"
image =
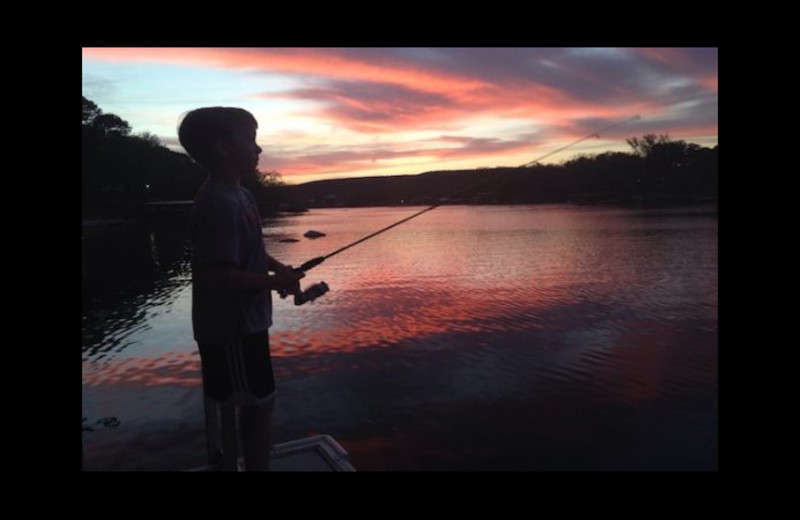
pixel 240 152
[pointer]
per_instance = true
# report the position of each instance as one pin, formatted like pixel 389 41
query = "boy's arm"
pixel 227 276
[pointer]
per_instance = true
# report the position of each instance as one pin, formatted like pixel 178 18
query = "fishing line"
pixel 589 136
pixel 508 178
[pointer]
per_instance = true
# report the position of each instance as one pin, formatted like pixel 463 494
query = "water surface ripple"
pixel 471 338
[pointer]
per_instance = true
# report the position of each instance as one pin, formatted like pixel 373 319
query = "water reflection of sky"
pixel 462 304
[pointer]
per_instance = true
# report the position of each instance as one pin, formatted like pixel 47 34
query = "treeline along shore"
pixel 611 178
pixel 122 172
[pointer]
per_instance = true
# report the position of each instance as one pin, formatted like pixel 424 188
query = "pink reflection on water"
pixel 456 271
pixel 174 368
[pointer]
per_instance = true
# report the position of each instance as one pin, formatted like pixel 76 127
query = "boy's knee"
pixel 259 411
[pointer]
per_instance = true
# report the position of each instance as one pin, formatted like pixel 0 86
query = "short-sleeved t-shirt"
pixel 226 228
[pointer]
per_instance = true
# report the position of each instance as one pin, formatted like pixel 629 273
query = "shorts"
pixel 239 374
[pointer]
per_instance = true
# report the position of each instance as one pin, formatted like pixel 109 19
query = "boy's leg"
pixel 255 421
pixel 255 427
pixel 244 367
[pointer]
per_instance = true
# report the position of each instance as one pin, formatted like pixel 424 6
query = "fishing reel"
pixel 310 294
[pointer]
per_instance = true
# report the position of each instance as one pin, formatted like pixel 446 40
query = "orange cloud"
pixel 711 83
pixel 387 107
pixel 366 158
pixel 453 95
pixel 672 57
pixel 305 62
pixel 373 92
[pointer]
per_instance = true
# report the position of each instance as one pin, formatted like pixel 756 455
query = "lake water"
pixel 539 338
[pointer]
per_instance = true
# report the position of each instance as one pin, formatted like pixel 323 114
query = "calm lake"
pixel 536 338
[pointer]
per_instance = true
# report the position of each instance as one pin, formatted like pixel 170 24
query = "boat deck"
pixel 318 453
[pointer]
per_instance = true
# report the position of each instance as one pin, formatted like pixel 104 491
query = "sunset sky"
pixel 329 113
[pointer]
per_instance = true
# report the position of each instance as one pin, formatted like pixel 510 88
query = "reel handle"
pixel 303 268
pixel 311 293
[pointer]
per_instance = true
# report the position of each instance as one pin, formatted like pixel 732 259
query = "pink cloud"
pixel 376 92
pixel 700 64
pixel 327 63
pixel 431 96
pixel 355 159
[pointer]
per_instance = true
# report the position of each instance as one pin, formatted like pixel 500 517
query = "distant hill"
pixel 457 186
pixel 671 172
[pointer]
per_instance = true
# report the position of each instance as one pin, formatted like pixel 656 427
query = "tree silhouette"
pixel 90 111
pixel 101 124
pixel 668 167
pixel 120 171
pixel 111 125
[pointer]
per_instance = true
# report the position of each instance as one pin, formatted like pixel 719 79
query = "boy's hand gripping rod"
pixel 321 288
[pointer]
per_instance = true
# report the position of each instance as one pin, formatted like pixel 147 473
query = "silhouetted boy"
pixel 231 284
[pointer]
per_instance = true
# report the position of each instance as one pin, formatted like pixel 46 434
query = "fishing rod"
pixel 317 290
